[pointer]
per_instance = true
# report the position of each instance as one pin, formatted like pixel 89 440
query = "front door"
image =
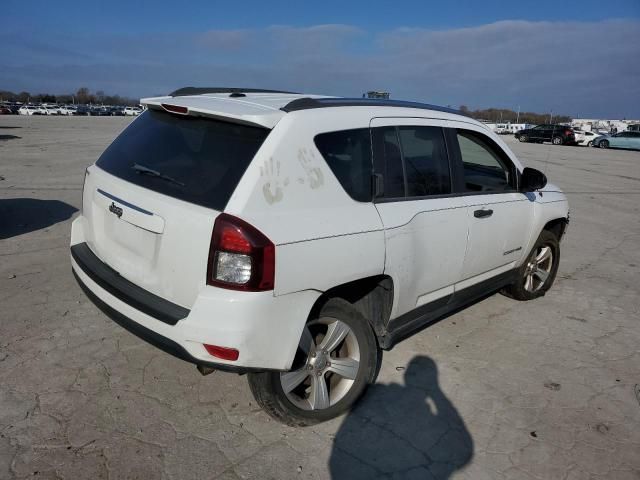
pixel 537 133
pixel 499 216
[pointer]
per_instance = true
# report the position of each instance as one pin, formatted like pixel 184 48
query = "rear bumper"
pixel 128 292
pixel 163 343
pixel 264 328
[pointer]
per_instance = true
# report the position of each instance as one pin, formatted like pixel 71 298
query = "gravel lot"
pixel 501 390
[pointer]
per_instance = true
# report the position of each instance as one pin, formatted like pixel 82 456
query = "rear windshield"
pixel 194 159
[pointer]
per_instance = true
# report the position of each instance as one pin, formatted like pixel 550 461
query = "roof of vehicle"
pixel 266 107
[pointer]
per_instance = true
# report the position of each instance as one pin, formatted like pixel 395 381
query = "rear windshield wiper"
pixel 154 173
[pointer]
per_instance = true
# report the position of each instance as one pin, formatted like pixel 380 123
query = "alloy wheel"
pixel 538 269
pixel 331 362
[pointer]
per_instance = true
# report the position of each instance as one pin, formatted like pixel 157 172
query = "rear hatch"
pixel 151 199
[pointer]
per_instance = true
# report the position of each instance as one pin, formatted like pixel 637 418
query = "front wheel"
pixel 536 275
pixel 589 144
pixel 337 358
pixel 523 138
pixel 604 144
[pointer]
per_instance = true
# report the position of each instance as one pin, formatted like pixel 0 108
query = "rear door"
pixel 151 199
pixel 425 225
pixel 498 215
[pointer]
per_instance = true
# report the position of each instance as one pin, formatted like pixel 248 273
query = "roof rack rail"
pixel 307 103
pixel 181 92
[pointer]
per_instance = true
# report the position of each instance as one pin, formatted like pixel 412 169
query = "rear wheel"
pixel 604 144
pixel 590 143
pixel 337 359
pixel 537 273
pixel 557 140
pixel 523 138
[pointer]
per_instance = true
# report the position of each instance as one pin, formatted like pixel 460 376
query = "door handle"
pixel 482 213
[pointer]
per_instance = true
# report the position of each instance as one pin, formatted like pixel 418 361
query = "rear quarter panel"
pixel 323 237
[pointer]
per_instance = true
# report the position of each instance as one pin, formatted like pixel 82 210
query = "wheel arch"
pixel 371 296
pixel 557 226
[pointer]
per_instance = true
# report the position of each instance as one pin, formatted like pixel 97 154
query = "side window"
pixel 486 167
pixel 425 161
pixel 388 161
pixel 348 154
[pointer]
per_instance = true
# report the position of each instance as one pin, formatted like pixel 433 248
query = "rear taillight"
pixel 240 256
pixel 568 132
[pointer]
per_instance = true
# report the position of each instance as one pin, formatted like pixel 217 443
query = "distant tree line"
pixel 82 96
pixel 504 115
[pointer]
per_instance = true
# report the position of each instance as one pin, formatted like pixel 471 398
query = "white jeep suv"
pixel 293 237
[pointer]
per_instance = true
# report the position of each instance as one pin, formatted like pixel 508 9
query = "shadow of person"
pixel 24 215
pixel 396 431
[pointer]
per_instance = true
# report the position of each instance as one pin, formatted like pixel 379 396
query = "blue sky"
pixel 581 58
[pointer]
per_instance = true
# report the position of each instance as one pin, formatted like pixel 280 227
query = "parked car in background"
pixel 82 110
pixel 192 237
pixel 554 133
pixel 584 137
pixel 628 140
pixel 52 109
pixel 132 111
pixel 101 111
pixel 4 110
pixel 29 110
pixel 502 129
pixel 117 111
pixel 67 110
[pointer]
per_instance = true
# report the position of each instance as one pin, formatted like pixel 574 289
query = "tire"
pixel 521 289
pixel 557 140
pixel 604 144
pixel 295 407
pixel 590 143
pixel 523 138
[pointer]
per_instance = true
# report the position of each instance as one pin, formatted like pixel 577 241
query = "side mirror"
pixel 532 180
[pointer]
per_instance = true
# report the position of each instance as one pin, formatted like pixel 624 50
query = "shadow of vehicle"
pixel 403 431
pixel 9 137
pixel 24 215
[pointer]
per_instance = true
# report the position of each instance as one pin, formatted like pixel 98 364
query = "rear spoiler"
pixel 266 121
pixel 181 92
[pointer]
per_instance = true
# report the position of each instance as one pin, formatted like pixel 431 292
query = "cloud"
pixel 315 40
pixel 226 40
pixel 578 68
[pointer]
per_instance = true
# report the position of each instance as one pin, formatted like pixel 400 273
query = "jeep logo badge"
pixel 113 208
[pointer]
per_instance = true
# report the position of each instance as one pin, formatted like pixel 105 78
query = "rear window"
pixel 198 160
pixel 348 154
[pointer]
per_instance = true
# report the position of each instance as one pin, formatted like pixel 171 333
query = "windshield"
pixel 204 158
